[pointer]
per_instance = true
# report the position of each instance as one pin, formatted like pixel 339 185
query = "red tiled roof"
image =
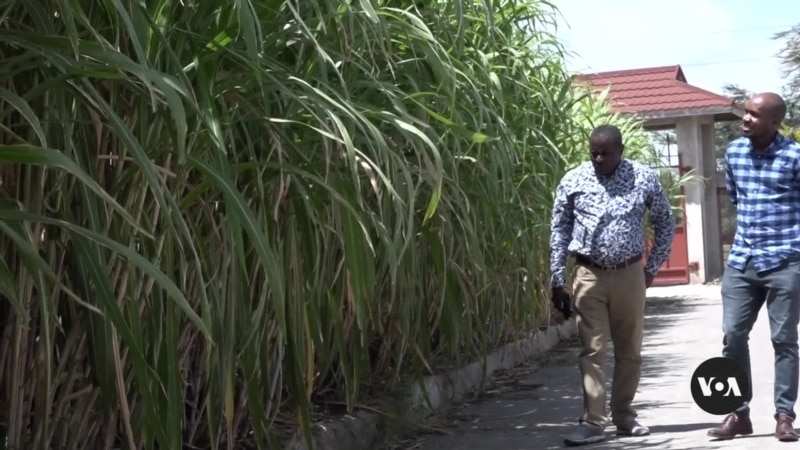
pixel 653 90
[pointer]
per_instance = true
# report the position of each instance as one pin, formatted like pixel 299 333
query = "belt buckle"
pixel 609 268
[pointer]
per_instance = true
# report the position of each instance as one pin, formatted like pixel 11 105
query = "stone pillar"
pixel 712 226
pixel 690 144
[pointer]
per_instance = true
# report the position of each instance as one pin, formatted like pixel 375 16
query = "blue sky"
pixel 715 41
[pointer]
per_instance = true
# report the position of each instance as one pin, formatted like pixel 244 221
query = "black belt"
pixel 580 259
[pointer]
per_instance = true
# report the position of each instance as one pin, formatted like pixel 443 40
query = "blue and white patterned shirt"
pixel 603 218
pixel 765 189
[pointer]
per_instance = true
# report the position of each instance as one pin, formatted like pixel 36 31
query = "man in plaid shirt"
pixel 763 182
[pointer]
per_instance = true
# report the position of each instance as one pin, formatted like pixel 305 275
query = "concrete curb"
pixel 359 430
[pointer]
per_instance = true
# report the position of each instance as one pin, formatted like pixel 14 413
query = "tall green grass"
pixel 215 214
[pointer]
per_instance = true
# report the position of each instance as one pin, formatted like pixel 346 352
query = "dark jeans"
pixel 743 294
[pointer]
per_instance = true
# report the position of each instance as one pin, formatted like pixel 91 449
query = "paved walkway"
pixel 533 407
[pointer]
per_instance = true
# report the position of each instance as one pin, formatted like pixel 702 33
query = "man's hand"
pixel 648 279
pixel 562 300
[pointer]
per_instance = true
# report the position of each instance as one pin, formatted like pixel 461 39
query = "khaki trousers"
pixel 609 304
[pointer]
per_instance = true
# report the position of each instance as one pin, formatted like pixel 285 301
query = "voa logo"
pixel 728 387
pixel 719 386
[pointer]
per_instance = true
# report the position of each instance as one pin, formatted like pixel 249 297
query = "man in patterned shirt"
pixel 763 182
pixel 599 218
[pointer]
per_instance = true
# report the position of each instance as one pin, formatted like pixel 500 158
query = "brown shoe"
pixel 784 430
pixel 734 424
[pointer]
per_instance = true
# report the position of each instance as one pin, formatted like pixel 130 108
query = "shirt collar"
pixel 778 143
pixel 621 169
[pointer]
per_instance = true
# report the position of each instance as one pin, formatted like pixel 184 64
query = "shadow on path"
pixel 535 405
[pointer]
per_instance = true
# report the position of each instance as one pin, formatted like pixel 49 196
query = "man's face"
pixel 605 154
pixel 759 122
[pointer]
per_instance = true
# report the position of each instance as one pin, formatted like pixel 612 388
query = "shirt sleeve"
pixel 663 223
pixel 561 225
pixel 730 184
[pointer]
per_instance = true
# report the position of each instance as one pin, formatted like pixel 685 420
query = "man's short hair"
pixel 609 132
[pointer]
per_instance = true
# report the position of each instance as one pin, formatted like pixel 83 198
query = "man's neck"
pixel 760 145
pixel 612 172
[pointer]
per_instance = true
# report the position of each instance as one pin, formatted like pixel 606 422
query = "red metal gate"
pixel 675 269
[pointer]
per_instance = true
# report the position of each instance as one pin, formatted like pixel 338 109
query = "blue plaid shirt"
pixel 765 189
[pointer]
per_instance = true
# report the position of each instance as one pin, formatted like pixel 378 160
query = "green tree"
pixel 789 55
pixel 725 132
